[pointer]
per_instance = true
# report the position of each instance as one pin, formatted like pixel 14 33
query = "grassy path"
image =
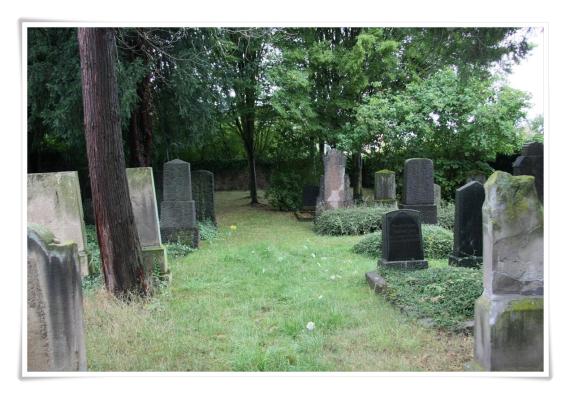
pixel 242 303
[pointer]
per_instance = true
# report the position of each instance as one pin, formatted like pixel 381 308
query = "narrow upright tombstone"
pixel 509 315
pixel 203 195
pixel 56 336
pixel 417 191
pixel 178 210
pixel 531 162
pixel 145 210
pixel 402 242
pixel 334 184
pixel 310 196
pixel 54 201
pixel 437 196
pixel 385 186
pixel 468 227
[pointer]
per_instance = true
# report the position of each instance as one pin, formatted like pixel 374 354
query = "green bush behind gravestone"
pixel 351 221
pixel 438 243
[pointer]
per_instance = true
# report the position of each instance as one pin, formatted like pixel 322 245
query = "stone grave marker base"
pixel 375 281
pixel 404 264
pixel 186 236
pixel 509 333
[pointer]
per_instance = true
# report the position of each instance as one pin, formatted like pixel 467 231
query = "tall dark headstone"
pixel 531 163
pixel 55 328
pixel 509 315
pixel 417 191
pixel 468 227
pixel 178 210
pixel 402 242
pixel 203 195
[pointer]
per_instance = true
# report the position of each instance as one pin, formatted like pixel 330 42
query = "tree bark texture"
pixel 121 254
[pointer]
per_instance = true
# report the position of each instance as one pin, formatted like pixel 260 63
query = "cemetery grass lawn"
pixel 242 303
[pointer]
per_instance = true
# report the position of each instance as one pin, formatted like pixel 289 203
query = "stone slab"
pixel 417 186
pixel 143 200
pixel 54 201
pixel 334 195
pixel 404 265
pixel 177 181
pixel 509 333
pixel 384 185
pixel 55 327
pixel 402 242
pixel 469 262
pixel 375 281
pixel 468 225
pixel 203 195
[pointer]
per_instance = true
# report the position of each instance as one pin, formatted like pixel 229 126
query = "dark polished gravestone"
pixel 402 242
pixel 531 162
pixel 418 189
pixel 468 227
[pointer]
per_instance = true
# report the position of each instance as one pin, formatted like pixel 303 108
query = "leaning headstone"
pixel 402 242
pixel 417 191
pixel 178 210
pixel 334 184
pixel 54 201
pixel 531 162
pixel 385 186
pixel 468 226
pixel 56 338
pixel 437 196
pixel 143 200
pixel 203 195
pixel 509 316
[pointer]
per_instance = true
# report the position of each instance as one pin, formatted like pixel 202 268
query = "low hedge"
pixel 443 296
pixel 438 243
pixel 351 221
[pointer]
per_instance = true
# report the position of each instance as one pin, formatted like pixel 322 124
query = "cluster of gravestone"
pixel 499 225
pixel 57 257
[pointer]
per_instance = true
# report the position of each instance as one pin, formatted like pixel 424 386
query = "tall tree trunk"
pixel 121 253
pixel 249 134
pixel 357 175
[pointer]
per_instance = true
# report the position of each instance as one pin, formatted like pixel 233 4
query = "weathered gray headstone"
pixel 177 210
pixel 334 195
pixel 55 329
pixel 437 196
pixel 203 195
pixel 509 316
pixel 402 241
pixel 468 226
pixel 417 191
pixel 143 199
pixel 531 162
pixel 385 186
pixel 54 201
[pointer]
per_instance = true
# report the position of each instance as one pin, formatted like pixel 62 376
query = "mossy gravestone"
pixel 177 210
pixel 402 242
pixel 468 226
pixel 385 186
pixel 531 162
pixel 55 340
pixel 54 201
pixel 203 195
pixel 509 315
pixel 143 199
pixel 417 191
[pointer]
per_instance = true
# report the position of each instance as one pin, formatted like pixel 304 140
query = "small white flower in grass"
pixel 310 326
pixel 313 254
pixel 319 264
pixel 305 246
pixel 263 270
pixel 321 297
pixel 333 277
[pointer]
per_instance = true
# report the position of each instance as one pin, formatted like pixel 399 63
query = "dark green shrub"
pixel 446 295
pixel 438 243
pixel 446 215
pixel 351 221
pixel 285 191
